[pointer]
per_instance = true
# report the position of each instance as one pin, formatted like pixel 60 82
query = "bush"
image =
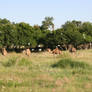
pixel 10 62
pixel 69 63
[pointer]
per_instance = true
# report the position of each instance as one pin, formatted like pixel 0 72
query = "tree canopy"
pixel 16 35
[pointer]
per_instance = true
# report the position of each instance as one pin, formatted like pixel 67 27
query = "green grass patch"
pixel 69 63
pixel 39 83
pixel 10 62
pixel 24 62
pixel 8 83
pixel 81 71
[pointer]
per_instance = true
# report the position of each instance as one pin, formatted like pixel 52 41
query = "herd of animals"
pixel 57 50
pixel 28 51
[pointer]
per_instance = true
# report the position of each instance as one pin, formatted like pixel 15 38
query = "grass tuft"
pixel 69 63
pixel 24 62
pixel 10 62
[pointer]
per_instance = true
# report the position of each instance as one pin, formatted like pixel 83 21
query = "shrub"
pixel 69 63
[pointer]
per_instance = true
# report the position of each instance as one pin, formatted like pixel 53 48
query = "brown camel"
pixel 56 51
pixel 4 52
pixel 27 52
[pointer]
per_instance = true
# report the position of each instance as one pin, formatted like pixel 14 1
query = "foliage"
pixel 72 34
pixel 17 35
pixel 47 23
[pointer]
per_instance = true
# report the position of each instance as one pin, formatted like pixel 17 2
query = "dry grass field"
pixel 45 72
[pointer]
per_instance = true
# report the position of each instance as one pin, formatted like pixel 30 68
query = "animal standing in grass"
pixel 72 50
pixel 27 52
pixel 4 52
pixel 56 51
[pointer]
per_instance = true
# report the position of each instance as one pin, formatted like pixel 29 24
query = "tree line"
pixel 17 35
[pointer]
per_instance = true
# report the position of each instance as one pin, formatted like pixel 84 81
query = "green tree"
pixel 25 35
pixel 47 23
pixel 72 33
pixel 86 30
pixel 5 33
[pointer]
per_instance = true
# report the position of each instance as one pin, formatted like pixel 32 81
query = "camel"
pixel 72 50
pixel 49 50
pixel 56 51
pixel 27 52
pixel 4 52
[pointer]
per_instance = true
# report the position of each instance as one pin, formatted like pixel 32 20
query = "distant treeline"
pixel 18 35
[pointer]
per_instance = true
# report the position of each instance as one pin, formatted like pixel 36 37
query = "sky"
pixel 34 11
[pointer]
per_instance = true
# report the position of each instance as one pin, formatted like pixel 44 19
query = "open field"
pixel 41 73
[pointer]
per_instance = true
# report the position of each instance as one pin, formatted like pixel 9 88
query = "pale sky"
pixel 34 11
